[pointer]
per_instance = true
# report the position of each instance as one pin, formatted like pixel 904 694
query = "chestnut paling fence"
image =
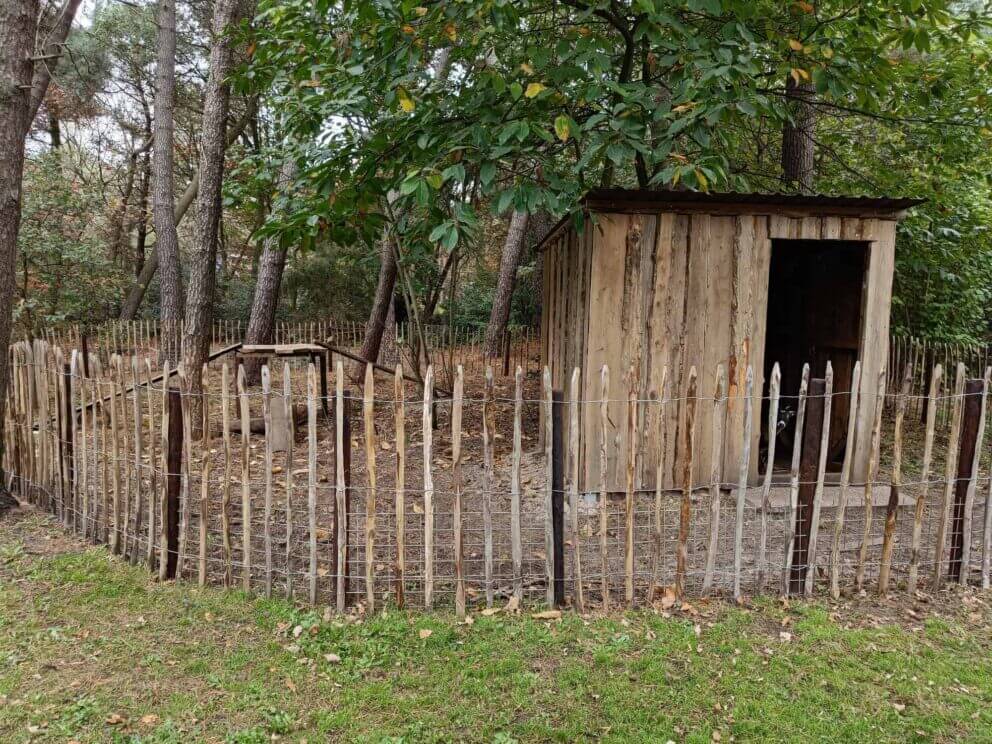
pixel 448 345
pixel 386 491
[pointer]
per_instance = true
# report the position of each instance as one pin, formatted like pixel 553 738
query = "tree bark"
pixel 22 87
pixel 137 292
pixel 213 139
pixel 140 224
pixel 271 265
pixel 798 137
pixel 380 304
pixel 163 181
pixel 513 248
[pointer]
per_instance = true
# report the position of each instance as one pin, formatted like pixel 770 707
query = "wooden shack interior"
pixel 659 282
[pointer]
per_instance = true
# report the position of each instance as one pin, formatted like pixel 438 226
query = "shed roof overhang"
pixel 633 201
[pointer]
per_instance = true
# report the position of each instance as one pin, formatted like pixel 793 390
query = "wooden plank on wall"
pixel 874 329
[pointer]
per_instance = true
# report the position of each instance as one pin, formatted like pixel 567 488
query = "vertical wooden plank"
pixel 949 477
pixel 341 516
pixel 558 494
pixel 125 457
pixel 972 431
pixel 814 528
pixel 716 472
pixel 185 377
pixel 685 510
pixel 312 479
pixel 549 543
pixel 115 390
pixel 967 517
pixel 368 411
pixel 84 443
pixel 456 475
pixel 604 445
pixel 516 546
pixel 245 479
pixel 892 510
pixel 489 481
pixel 428 443
pixel 136 425
pixel 658 437
pixel 153 467
pixel 790 514
pixel 742 475
pixel 267 519
pixel 809 464
pixel 225 509
pixel 573 487
pixel 632 432
pixel 173 478
pixel 872 469
pixel 845 480
pixel 399 413
pixel 923 491
pixel 774 384
pixel 287 402
pixel 204 473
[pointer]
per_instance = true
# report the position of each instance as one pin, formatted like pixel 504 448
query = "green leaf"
pixel 563 127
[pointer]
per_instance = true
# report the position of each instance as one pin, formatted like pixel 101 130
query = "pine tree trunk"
pixel 163 187
pixel 798 145
pixel 213 145
pixel 22 87
pixel 17 29
pixel 513 248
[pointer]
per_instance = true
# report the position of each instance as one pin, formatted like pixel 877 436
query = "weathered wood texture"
pixel 681 289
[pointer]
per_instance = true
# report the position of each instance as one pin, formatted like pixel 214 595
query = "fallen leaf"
pixel 290 685
pixel 332 658
pixel 490 611
pixel 150 720
pixel 547 615
pixel 425 633
pixel 115 719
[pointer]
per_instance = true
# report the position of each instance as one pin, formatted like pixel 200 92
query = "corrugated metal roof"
pixel 660 200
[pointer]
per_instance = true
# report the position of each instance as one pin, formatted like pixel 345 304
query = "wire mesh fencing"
pixel 386 491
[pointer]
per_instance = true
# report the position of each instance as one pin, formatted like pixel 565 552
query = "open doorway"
pixel 815 314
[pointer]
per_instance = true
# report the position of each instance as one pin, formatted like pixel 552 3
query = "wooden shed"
pixel 672 279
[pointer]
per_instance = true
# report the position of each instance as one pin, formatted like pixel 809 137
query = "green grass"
pixel 92 650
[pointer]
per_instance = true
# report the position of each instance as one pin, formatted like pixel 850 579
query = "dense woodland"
pixel 375 161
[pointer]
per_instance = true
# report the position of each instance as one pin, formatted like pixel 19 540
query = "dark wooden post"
pixel 346 441
pixel 808 467
pixel 506 353
pixel 970 415
pixel 174 464
pixel 86 354
pixel 558 492
pixel 68 497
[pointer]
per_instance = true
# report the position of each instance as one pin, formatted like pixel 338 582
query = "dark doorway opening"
pixel 815 314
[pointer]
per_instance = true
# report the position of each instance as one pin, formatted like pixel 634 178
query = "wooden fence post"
pixel 174 466
pixel 69 507
pixel 808 466
pixel 558 494
pixel 971 417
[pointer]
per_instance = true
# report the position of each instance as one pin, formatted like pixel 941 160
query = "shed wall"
pixel 654 294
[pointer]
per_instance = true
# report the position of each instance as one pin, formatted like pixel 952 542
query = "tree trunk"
pixel 798 136
pixel 140 225
pixel 163 186
pixel 380 305
pixel 499 315
pixel 137 292
pixel 22 87
pixel 213 139
pixel 262 319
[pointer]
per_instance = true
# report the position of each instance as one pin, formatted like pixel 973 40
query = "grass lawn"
pixel 92 650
